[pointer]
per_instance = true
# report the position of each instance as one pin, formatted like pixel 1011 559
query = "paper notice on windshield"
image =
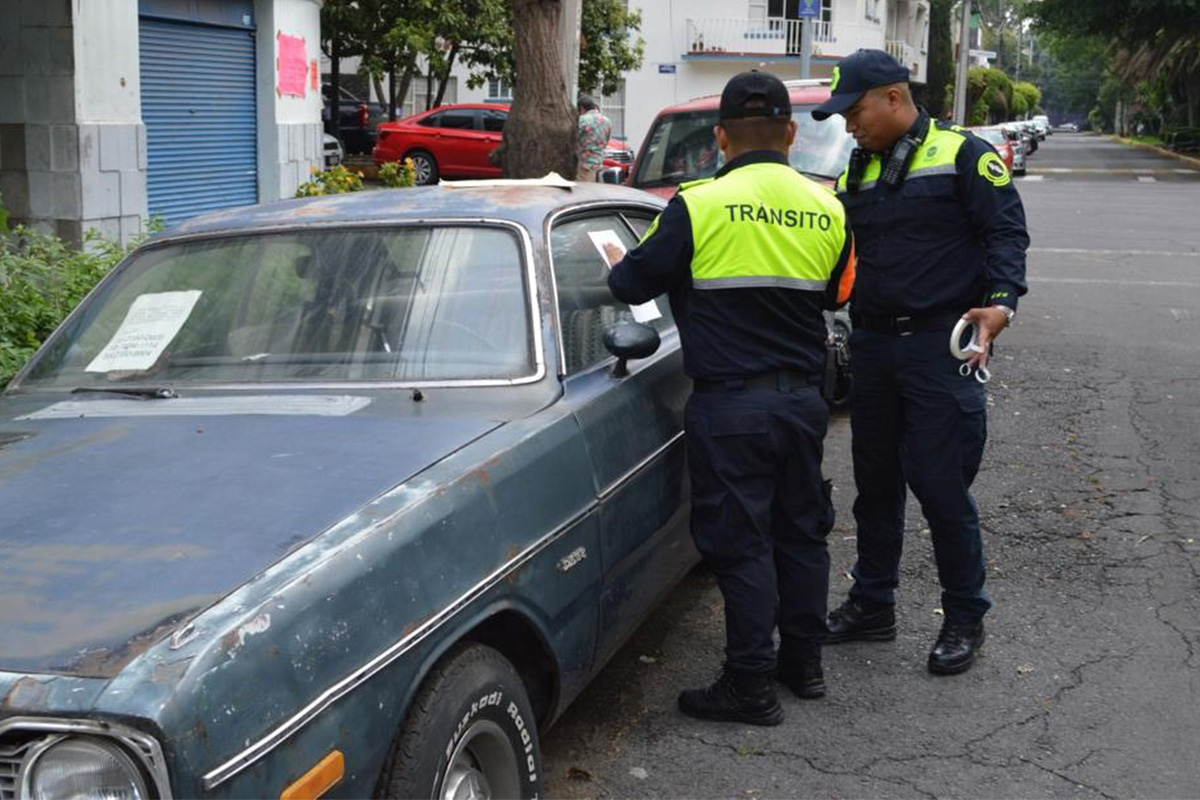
pixel 149 326
pixel 612 251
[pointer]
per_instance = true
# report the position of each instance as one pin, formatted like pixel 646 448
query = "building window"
pixel 613 107
pixel 499 91
pixel 415 102
pixel 873 10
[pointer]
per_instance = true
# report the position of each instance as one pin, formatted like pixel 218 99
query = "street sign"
pixel 808 8
pixel 666 69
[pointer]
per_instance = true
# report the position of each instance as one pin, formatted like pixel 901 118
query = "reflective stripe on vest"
pixel 936 156
pixel 764 225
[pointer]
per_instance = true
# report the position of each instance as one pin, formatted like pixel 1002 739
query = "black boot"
pixel 857 620
pixel 955 649
pixel 799 669
pixel 735 697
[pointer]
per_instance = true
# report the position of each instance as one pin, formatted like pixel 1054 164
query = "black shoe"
pixel 955 649
pixel 735 697
pixel 799 669
pixel 855 620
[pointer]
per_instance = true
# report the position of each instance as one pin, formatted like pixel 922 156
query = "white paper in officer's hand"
pixel 646 312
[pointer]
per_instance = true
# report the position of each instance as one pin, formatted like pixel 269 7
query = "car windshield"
pixel 418 303
pixel 682 147
pixel 992 136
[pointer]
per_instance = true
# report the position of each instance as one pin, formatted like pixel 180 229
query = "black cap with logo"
pixel 855 75
pixel 755 94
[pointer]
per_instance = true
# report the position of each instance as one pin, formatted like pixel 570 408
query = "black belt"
pixel 905 325
pixel 783 381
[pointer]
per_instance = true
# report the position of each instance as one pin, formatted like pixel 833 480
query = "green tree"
pixel 608 47
pixel 1026 99
pixel 932 94
pixel 989 95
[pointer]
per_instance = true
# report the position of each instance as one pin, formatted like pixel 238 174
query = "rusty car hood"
pixel 119 518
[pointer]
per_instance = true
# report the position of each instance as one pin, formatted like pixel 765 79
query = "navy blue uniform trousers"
pixel 761 514
pixel 916 421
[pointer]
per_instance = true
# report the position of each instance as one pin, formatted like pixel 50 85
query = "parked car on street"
pixel 357 119
pixel 456 141
pixel 681 145
pixel 345 496
pixel 998 139
pixel 333 151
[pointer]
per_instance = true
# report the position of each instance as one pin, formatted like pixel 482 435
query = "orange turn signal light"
pixel 318 780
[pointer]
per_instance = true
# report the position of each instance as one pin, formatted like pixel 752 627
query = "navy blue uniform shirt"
pixel 940 243
pixel 725 333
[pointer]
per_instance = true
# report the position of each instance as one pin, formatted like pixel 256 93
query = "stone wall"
pixel 58 173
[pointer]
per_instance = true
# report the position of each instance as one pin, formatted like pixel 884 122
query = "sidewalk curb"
pixel 1160 150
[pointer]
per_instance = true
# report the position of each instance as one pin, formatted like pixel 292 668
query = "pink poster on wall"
pixel 293 65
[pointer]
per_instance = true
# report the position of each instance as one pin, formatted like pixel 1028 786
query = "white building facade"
pixel 694 46
pixel 115 111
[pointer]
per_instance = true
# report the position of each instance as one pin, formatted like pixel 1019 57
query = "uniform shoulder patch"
pixel 992 169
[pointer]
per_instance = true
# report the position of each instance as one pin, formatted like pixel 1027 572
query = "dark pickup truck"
pixel 357 119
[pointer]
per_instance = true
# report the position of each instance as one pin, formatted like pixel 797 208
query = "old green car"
pixel 339 496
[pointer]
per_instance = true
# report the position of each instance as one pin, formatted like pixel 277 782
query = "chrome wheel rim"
pixel 482 766
pixel 423 168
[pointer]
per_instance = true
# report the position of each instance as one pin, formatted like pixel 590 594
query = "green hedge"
pixel 42 279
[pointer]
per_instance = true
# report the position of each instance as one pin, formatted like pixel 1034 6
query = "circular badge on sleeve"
pixel 992 168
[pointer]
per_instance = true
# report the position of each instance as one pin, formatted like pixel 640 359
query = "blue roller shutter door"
pixel 198 104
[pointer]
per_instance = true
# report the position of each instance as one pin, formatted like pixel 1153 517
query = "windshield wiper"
pixel 150 392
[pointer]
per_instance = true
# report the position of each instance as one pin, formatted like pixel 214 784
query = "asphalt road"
pixel 1089 685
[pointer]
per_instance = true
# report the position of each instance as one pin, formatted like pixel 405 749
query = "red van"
pixel 681 145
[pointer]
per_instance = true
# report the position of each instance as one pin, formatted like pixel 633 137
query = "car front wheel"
pixel 469 735
pixel 426 167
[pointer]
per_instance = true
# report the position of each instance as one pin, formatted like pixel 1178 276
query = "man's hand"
pixel 613 253
pixel 990 321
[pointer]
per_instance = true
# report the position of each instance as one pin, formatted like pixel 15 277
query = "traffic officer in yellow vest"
pixel 941 237
pixel 750 259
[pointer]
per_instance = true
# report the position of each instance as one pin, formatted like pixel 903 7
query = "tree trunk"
pixel 444 78
pixel 405 82
pixel 540 134
pixel 392 92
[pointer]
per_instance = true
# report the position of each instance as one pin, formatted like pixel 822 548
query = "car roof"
pixel 802 92
pixel 527 203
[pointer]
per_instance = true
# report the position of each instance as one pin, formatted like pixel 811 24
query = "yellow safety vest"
pixel 935 156
pixel 765 225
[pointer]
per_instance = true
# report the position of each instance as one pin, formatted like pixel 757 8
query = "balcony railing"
pixel 902 51
pixel 740 36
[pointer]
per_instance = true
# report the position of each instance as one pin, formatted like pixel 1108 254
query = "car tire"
pixel 426 166
pixel 470 729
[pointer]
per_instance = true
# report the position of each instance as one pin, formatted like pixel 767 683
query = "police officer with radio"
pixel 941 237
pixel 749 260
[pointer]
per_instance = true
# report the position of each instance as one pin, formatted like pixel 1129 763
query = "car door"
pixel 458 140
pixel 632 426
pixel 493 134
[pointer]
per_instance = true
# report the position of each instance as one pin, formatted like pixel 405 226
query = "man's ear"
pixel 791 136
pixel 722 138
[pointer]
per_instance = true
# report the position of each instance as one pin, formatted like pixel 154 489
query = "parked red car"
pixel 455 141
pixel 997 139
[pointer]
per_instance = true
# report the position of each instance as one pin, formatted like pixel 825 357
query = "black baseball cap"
pixel 773 98
pixel 855 75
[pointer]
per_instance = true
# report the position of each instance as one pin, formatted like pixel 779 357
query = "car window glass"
pixel 493 121
pixel 462 119
pixel 425 303
pixel 432 121
pixel 585 304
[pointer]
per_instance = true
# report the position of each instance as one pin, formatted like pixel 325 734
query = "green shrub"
pixel 336 180
pixel 42 279
pixel 396 175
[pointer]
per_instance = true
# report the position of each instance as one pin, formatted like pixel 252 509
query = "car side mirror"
pixel 627 340
pixel 610 175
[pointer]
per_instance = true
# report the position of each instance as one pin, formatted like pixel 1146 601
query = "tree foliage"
pixel 932 94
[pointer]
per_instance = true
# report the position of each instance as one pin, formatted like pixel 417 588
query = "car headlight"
pixel 85 768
